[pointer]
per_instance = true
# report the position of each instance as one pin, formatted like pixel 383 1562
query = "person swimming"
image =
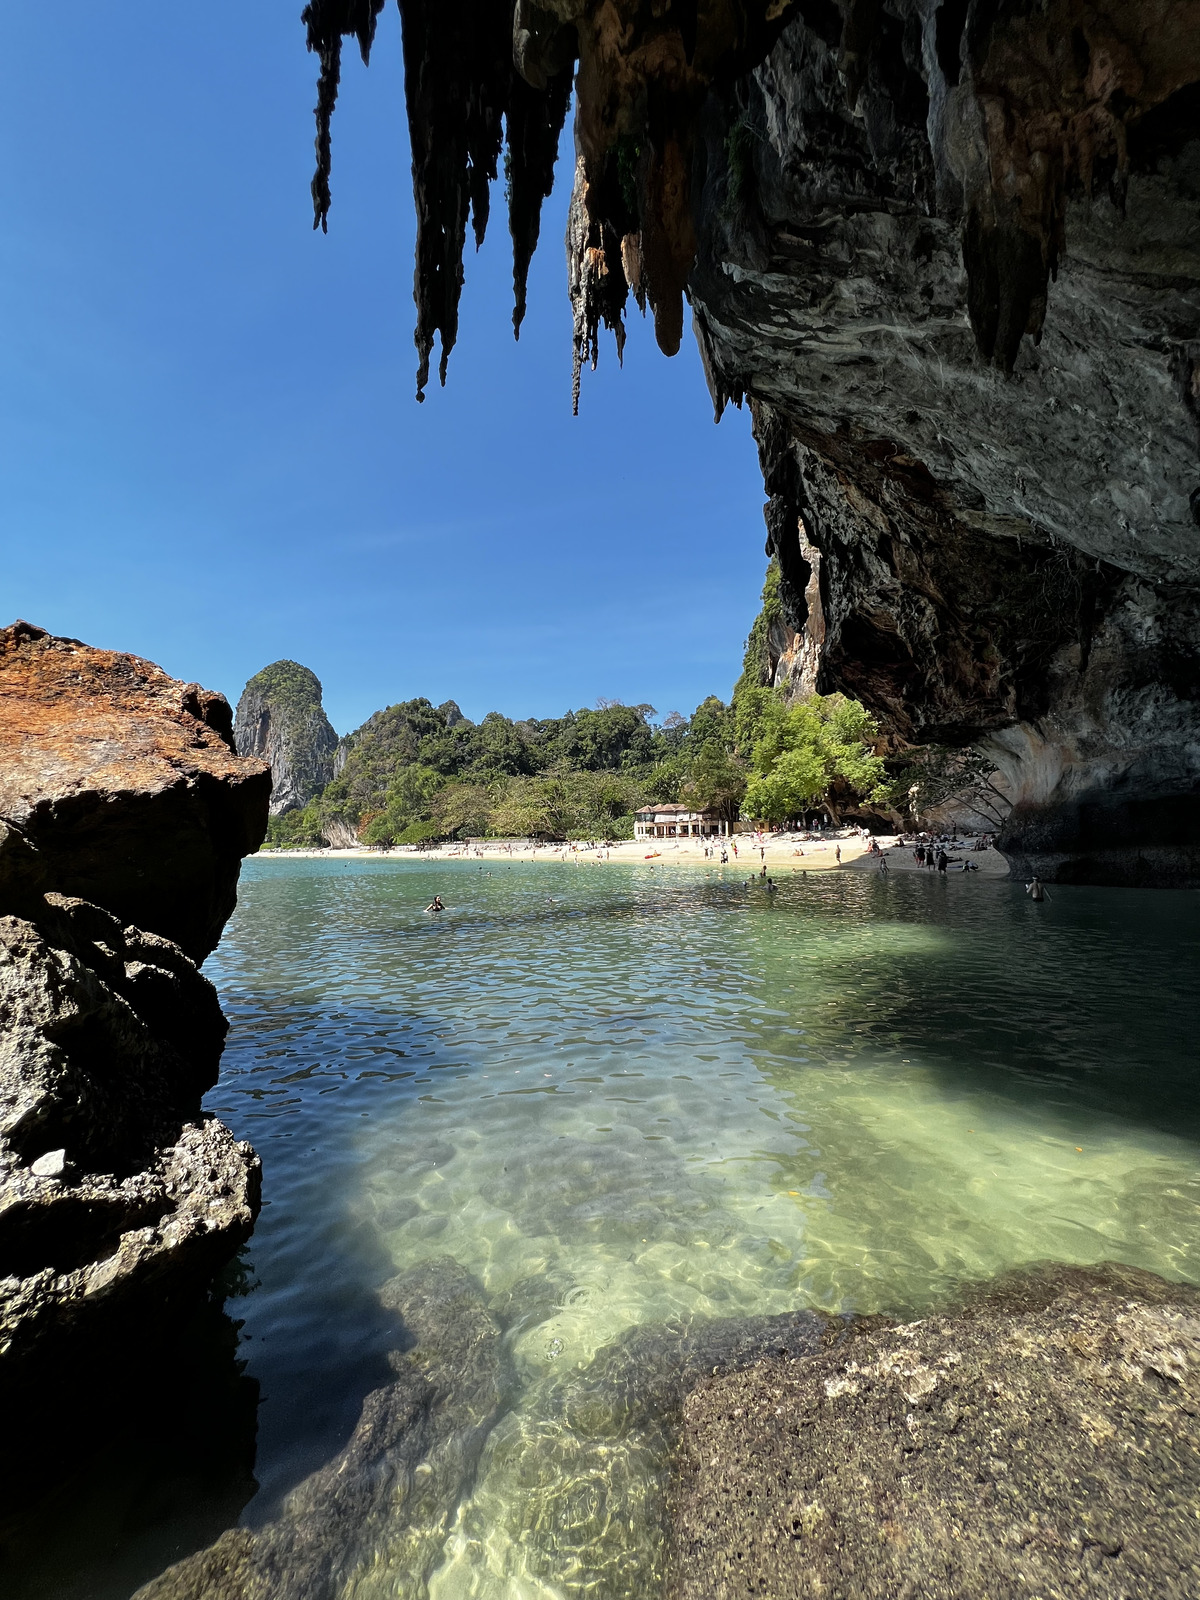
pixel 435 904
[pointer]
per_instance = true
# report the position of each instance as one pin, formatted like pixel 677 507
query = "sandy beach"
pixel 781 854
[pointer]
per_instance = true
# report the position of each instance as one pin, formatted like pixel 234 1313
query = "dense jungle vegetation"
pixel 417 772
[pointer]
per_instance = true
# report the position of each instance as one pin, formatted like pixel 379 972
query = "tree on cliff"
pixel 717 782
pixel 813 753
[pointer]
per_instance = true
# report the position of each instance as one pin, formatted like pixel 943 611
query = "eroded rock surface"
pixel 116 1195
pixel 1042 1439
pixel 127 783
pixel 372 1522
pixel 280 719
pixel 123 817
pixel 1005 553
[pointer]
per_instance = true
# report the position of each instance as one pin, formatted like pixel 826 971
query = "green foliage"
pixel 664 783
pixel 440 740
pixel 717 781
pixel 757 710
pixel 464 810
pixel 409 798
pixel 756 660
pixel 288 686
pixel 583 775
pixel 567 805
pixel 296 830
pixel 811 754
pixel 712 723
pixel 419 833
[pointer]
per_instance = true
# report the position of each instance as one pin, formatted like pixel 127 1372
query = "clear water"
pixel 618 1095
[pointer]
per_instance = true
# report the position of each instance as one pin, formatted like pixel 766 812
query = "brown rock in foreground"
pixel 1044 1439
pixel 127 784
pixel 117 1196
pixel 124 814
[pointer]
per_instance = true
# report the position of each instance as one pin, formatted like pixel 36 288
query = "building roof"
pixel 671 811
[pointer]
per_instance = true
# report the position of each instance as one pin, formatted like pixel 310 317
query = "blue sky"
pixel 210 453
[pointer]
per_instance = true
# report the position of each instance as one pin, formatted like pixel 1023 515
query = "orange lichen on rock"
pixel 127 784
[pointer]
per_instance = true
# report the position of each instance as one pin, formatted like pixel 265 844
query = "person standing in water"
pixel 1035 890
pixel 435 904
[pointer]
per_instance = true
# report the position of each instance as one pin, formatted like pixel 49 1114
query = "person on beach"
pixel 943 861
pixel 837 855
pixel 1035 890
pixel 435 904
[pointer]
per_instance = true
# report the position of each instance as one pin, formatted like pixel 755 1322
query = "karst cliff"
pixel 280 718
pixel 124 815
pixel 949 254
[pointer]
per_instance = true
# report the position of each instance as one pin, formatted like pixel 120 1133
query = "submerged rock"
pixel 280 718
pixel 576 1480
pixel 1042 1438
pixel 374 1519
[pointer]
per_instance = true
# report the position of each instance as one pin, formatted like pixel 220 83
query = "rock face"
pixel 280 719
pixel 127 785
pixel 125 813
pixel 1043 1440
pixel 950 254
pixel 1004 553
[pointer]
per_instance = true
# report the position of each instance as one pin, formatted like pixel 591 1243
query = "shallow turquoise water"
pixel 618 1094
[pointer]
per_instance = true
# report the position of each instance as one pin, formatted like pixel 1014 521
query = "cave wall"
pixel 981 554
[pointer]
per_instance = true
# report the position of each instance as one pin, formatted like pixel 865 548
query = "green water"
pixel 620 1095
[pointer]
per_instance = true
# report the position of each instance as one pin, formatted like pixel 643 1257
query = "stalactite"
pixel 478 72
pixel 463 94
pixel 534 123
pixel 327 22
pixel 1039 100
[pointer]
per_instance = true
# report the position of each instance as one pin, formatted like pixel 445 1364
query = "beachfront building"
pixel 676 822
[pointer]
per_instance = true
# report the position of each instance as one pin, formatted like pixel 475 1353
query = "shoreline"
pixel 779 855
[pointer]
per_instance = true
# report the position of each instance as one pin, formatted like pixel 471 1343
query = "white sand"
pixel 780 853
